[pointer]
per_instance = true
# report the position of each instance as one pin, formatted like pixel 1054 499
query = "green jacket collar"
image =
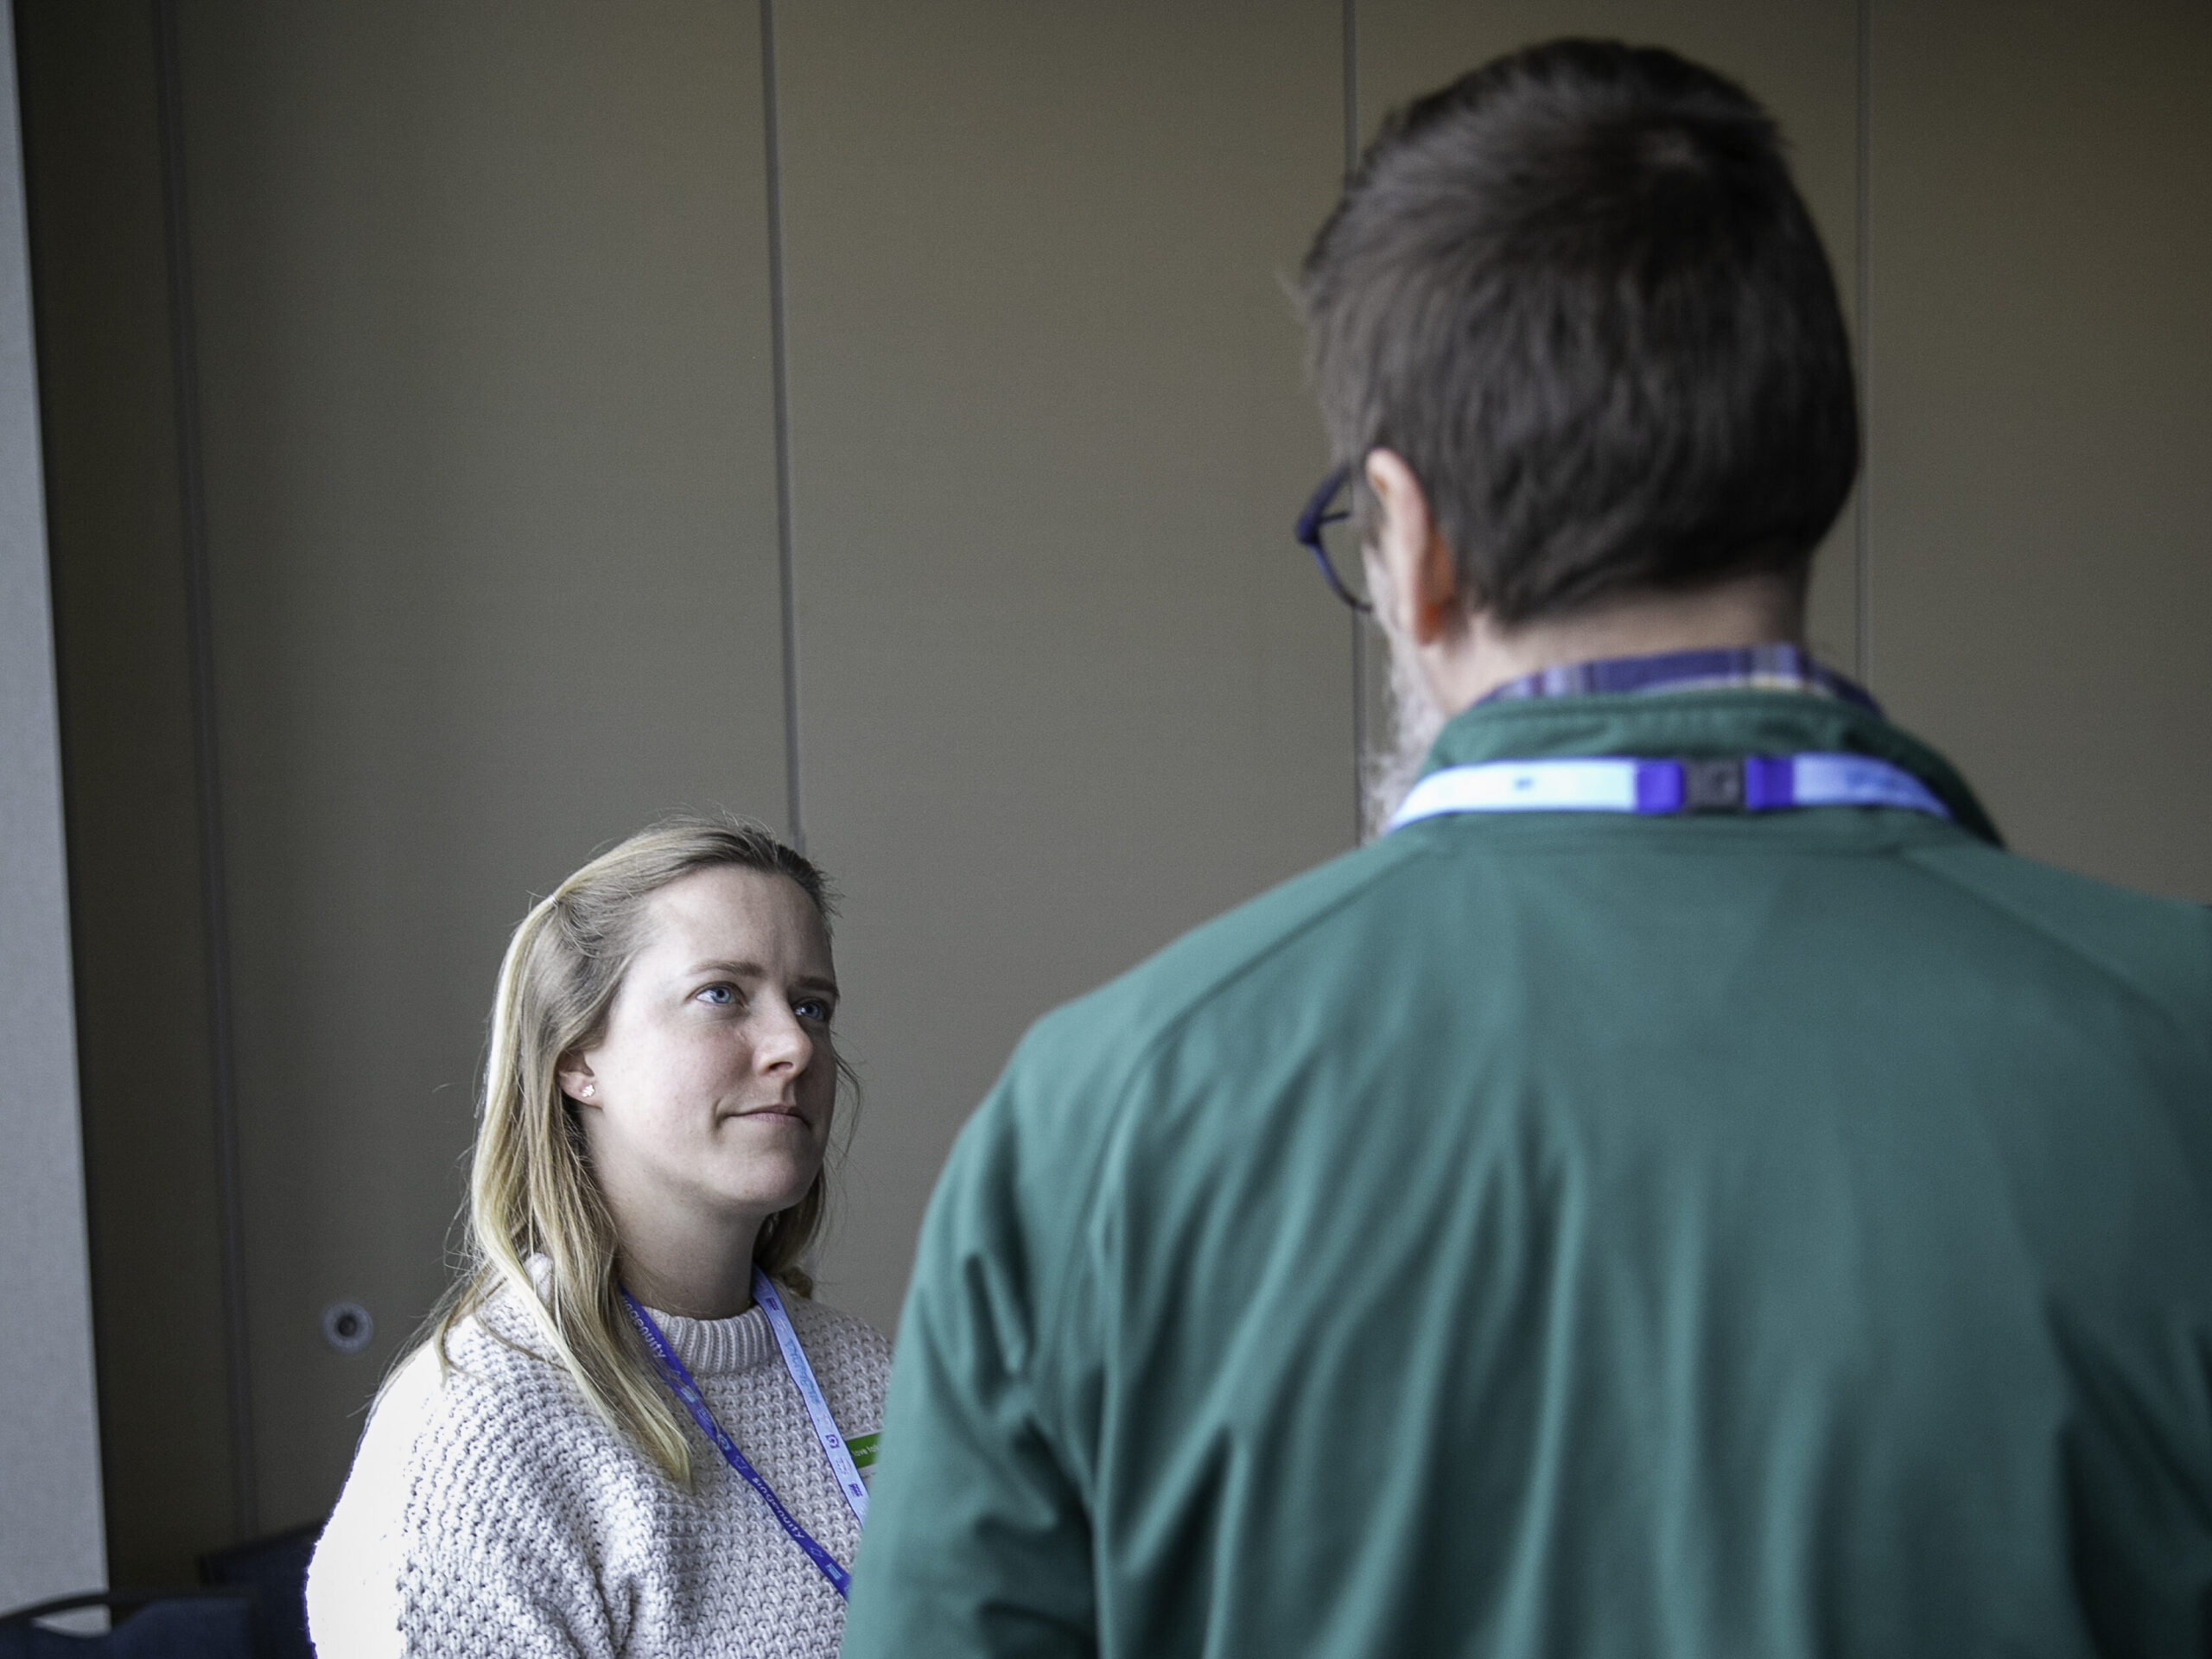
pixel 1699 725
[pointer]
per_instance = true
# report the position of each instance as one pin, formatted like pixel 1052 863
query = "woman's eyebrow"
pixel 754 970
pixel 735 970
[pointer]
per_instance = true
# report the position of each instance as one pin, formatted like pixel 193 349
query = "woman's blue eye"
pixel 720 995
pixel 812 1008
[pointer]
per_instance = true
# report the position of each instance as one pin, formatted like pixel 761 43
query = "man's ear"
pixel 1418 589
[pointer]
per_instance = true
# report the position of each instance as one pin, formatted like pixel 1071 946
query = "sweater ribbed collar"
pixel 706 1347
pixel 719 1347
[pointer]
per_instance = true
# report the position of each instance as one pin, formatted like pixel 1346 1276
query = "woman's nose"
pixel 781 1042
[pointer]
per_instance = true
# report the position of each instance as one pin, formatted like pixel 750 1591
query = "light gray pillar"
pixel 52 1540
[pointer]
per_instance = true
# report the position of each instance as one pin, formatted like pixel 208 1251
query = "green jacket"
pixel 1575 1235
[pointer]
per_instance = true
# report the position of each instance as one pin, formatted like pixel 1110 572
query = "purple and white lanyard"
pixel 687 1392
pixel 1759 783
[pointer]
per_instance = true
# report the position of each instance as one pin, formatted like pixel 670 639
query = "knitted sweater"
pixel 489 1512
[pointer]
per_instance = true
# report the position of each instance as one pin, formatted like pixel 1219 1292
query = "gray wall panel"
pixel 2043 418
pixel 1800 57
pixel 50 1530
pixel 1067 685
pixel 484 348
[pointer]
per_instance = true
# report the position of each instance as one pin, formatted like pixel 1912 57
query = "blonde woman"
pixel 629 1429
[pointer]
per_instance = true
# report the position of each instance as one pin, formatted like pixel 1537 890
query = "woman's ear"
pixel 577 1081
pixel 1412 577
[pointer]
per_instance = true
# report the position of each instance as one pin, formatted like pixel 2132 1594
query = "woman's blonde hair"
pixel 531 1191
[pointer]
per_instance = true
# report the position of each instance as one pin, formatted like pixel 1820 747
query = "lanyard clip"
pixel 1753 784
pixel 1711 785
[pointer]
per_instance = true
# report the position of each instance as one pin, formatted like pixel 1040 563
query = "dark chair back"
pixel 273 1571
pixel 208 1625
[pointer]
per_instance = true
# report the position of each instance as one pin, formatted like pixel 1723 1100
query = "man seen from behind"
pixel 1686 1190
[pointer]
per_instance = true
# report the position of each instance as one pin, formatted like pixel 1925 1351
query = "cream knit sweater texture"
pixel 489 1512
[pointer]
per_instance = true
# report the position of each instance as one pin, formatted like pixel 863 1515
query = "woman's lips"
pixel 791 1112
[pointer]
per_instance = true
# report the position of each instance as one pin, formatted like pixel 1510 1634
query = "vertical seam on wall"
pixel 214 895
pixel 1350 21
pixel 1862 549
pixel 786 571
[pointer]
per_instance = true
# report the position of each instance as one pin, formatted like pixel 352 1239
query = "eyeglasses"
pixel 1318 516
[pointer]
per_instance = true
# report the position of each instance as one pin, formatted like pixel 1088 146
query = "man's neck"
pixel 1470 663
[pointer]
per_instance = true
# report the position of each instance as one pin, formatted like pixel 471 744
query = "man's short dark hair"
pixel 1577 292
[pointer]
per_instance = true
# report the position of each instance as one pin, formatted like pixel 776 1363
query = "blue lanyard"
pixel 681 1385
pixel 810 1392
pixel 1759 783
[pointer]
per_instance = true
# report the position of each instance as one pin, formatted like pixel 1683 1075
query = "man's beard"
pixel 1416 719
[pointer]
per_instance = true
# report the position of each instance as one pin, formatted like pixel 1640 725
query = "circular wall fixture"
pixel 348 1327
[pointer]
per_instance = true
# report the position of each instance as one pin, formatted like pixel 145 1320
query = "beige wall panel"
pixel 484 353
pixel 1800 57
pixel 1068 686
pixel 2041 296
pixel 109 404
